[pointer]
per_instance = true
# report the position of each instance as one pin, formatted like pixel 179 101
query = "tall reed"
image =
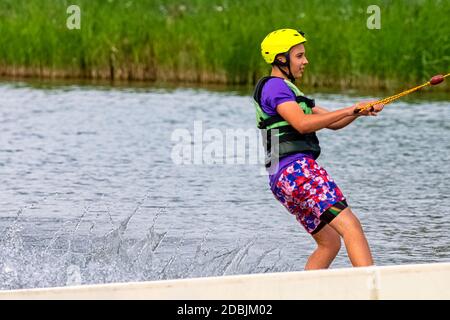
pixel 218 41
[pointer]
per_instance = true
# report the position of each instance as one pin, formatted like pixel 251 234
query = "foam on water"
pixel 70 257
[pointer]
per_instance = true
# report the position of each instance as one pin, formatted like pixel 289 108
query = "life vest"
pixel 290 141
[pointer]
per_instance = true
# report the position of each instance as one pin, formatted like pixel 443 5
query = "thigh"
pixel 345 221
pixel 327 236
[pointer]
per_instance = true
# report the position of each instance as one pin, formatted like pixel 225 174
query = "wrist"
pixel 351 111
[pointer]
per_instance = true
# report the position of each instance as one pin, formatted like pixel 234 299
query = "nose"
pixel 305 62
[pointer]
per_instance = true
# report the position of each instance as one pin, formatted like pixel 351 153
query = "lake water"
pixel 90 192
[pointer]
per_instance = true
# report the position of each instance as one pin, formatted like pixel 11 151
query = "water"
pixel 90 194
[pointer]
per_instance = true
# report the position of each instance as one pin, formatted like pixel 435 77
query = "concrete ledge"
pixel 422 281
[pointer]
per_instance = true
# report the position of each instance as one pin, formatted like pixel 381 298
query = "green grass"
pixel 219 41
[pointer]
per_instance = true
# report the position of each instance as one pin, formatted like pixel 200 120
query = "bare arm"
pixel 349 119
pixel 306 123
pixel 338 124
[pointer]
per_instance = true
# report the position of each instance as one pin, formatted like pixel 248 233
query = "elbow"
pixel 302 129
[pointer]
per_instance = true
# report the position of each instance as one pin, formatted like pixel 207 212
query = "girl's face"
pixel 298 60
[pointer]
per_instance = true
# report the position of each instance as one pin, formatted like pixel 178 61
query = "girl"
pixel 290 120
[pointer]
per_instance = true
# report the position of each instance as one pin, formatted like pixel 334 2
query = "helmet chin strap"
pixel 287 64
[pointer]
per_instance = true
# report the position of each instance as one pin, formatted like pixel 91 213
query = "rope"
pixel 387 100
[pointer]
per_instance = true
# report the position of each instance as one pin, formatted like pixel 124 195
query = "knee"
pixel 349 222
pixel 336 245
pixel 332 244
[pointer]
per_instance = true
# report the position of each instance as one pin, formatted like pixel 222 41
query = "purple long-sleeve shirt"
pixel 275 92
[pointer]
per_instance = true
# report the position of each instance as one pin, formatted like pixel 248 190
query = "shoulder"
pixel 275 92
pixel 276 87
pixel 276 83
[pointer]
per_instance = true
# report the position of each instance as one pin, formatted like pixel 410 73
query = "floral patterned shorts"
pixel 309 193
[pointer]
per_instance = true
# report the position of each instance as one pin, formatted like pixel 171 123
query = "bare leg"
pixel 328 245
pixel 349 227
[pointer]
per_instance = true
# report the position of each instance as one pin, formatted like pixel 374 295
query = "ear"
pixel 281 58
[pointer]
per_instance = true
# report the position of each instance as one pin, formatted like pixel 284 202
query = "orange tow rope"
pixel 433 81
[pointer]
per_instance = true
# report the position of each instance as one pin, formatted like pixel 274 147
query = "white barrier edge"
pixel 418 281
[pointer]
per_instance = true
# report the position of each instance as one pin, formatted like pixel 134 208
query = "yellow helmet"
pixel 280 41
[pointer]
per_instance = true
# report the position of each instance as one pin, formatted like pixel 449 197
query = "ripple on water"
pixel 77 162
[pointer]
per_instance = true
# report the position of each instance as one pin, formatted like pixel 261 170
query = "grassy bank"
pixel 218 41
